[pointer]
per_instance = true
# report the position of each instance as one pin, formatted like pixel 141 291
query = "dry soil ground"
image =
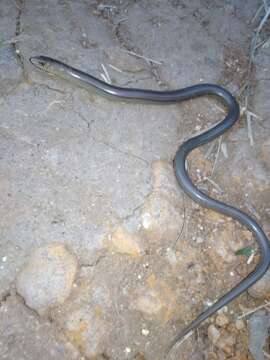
pixel 102 255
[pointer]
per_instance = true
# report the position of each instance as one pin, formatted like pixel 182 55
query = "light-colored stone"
pixel 222 320
pixel 226 241
pixel 171 256
pixel 213 334
pixel 161 220
pixel 156 300
pixel 47 278
pixel 164 179
pixel 145 332
pixel 86 330
pixel 87 317
pixel 239 324
pixel 149 303
pixel 124 242
pixel 226 342
pixel 162 213
pixel 223 340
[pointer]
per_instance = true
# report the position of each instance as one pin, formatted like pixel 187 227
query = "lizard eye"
pixel 38 62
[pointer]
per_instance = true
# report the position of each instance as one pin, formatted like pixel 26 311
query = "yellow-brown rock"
pixel 124 242
pixel 156 300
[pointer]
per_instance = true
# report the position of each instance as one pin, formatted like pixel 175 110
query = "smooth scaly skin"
pixel 59 69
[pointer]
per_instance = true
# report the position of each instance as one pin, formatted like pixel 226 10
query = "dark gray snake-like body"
pixel 62 70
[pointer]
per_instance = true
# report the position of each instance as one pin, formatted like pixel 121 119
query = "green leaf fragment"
pixel 246 251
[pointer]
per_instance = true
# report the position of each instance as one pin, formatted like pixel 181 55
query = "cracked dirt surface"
pixel 95 176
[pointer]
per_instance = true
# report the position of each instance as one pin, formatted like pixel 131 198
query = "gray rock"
pixel 164 204
pixel 10 69
pixel 25 337
pixel 258 324
pixel 47 278
pixel 8 15
pixel 261 289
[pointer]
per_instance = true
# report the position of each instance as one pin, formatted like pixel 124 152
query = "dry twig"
pixel 266 354
pixel 142 57
pixel 217 155
pixel 105 76
pixel 252 311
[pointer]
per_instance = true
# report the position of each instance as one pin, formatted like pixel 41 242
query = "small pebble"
pixel 213 334
pixel 224 309
pixel 224 340
pixel 239 324
pixel 222 320
pixel 4 258
pixel 146 220
pixel 145 332
pixel 208 302
pixel 170 255
pixel 127 350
